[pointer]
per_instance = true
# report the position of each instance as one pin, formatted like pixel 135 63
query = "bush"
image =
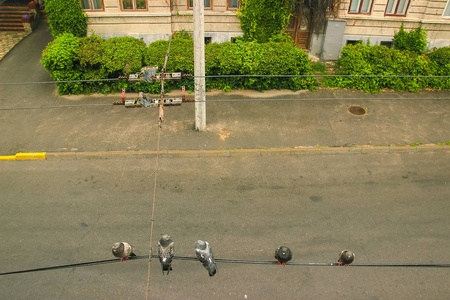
pixel 415 40
pixel 440 64
pixel 66 16
pixel 70 58
pixel 379 60
pixel 60 58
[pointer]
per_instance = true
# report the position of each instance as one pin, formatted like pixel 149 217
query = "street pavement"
pixel 387 207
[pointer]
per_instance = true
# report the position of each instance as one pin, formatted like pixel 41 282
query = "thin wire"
pixel 160 120
pixel 237 100
pixel 328 75
pixel 153 214
pixel 236 76
pixel 62 81
pixel 83 264
pixel 238 261
pixel 59 106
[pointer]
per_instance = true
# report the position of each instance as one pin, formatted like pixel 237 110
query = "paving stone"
pixel 8 40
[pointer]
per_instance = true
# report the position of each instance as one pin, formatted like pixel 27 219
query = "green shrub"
pixel 379 60
pixel 415 40
pixel 71 58
pixel 66 16
pixel 120 51
pixel 440 64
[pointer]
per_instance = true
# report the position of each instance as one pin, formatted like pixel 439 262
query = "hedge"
pixel 379 60
pixel 69 57
pixel 72 58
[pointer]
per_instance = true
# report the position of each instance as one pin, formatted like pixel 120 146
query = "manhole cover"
pixel 357 110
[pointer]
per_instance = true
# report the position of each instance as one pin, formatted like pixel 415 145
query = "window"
pixel 360 6
pixel 208 4
pixel 447 10
pixel 233 4
pixel 92 4
pixel 353 42
pixel 386 44
pixel 207 40
pixel 397 7
pixel 133 4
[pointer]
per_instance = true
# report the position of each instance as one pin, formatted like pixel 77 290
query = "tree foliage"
pixel 261 20
pixel 66 16
pixel 318 10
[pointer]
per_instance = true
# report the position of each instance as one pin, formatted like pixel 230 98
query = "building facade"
pixel 154 20
pixel 366 20
pixel 378 20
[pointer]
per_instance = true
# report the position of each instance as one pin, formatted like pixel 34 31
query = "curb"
pixel 229 152
pixel 25 156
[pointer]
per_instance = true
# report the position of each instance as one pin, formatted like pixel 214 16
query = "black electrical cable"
pixel 83 264
pixel 60 106
pixel 239 100
pixel 237 261
pixel 234 76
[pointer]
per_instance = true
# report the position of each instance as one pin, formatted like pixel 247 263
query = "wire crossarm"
pixel 149 74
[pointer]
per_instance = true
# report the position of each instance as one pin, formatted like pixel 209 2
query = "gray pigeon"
pixel 123 250
pixel 204 254
pixel 346 257
pixel 165 253
pixel 283 254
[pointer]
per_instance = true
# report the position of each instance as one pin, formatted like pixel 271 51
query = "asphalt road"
pixel 387 208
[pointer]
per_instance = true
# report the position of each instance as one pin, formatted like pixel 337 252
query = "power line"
pixel 239 100
pixel 59 106
pixel 236 76
pixel 237 261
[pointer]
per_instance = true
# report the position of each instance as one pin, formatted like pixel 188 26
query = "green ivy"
pixel 66 16
pixel 261 20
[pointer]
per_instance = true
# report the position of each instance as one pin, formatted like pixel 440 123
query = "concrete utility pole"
pixel 199 65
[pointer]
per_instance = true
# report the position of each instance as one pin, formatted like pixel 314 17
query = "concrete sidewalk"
pixel 291 120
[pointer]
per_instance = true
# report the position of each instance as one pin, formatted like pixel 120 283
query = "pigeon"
pixel 346 257
pixel 283 255
pixel 165 253
pixel 204 254
pixel 123 250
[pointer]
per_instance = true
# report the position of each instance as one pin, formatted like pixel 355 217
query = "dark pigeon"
pixel 204 254
pixel 346 257
pixel 166 253
pixel 123 250
pixel 283 255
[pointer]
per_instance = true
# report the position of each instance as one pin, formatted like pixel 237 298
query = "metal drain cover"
pixel 357 110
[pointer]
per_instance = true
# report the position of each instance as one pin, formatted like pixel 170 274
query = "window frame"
pixel 192 7
pixel 360 6
pixel 233 8
pixel 447 7
pixel 396 8
pixel 91 6
pixel 133 3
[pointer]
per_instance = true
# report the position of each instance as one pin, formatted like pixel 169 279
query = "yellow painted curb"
pixel 28 156
pixel 8 157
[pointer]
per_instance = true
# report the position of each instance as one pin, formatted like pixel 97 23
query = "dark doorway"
pixel 299 29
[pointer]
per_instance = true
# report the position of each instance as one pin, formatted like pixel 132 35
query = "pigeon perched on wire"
pixel 165 253
pixel 346 257
pixel 123 250
pixel 283 254
pixel 204 254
